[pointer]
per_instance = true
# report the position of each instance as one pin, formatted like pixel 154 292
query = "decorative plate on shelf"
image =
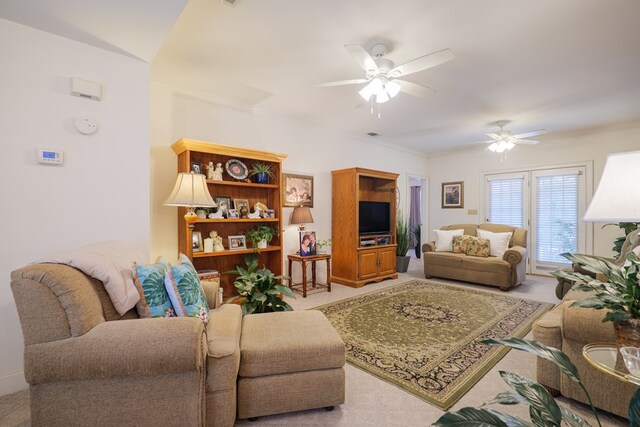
pixel 236 169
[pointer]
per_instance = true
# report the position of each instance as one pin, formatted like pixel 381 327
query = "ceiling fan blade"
pixel 362 57
pixel 532 133
pixel 414 88
pixel 422 63
pixel 479 142
pixel 525 141
pixel 340 83
pixel 493 135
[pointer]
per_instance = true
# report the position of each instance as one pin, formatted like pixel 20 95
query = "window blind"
pixel 557 216
pixel 506 201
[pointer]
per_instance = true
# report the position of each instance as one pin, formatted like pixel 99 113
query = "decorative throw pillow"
pixel 477 246
pixel 149 280
pixel 444 239
pixel 185 290
pixel 459 244
pixel 499 241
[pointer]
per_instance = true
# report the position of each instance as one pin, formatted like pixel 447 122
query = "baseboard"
pixel 12 383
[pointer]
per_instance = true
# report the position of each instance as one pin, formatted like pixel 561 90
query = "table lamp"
pixel 301 215
pixel 190 191
pixel 617 198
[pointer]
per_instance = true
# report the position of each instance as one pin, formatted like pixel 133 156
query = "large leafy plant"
pixel 620 294
pixel 627 227
pixel 259 289
pixel 402 235
pixel 543 409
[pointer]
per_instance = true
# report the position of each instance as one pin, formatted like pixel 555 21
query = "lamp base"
pixel 190 217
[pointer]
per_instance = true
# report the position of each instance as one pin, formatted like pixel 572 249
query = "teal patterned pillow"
pixel 185 291
pixel 149 280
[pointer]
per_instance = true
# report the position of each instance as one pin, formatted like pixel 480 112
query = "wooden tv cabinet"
pixel 361 259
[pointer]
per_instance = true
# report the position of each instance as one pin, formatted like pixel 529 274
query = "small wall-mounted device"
pixel 86 89
pixel 86 125
pixel 50 157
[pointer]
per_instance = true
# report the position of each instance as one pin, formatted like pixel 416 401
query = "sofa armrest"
pixel 429 247
pixel 585 325
pixel 120 349
pixel 210 289
pixel 515 255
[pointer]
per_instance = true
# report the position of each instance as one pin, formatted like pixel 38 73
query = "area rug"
pixel 423 335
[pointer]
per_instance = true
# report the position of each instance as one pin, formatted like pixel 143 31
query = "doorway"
pixel 417 208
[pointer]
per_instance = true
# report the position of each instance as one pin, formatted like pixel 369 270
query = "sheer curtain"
pixel 415 214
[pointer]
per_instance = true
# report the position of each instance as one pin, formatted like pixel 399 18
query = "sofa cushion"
pixel 444 259
pixel 499 242
pixel 185 291
pixel 519 237
pixel 459 243
pixel 149 280
pixel 469 229
pixel 486 264
pixel 477 246
pixel 444 239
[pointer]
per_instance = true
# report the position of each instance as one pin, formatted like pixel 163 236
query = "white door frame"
pixel 424 211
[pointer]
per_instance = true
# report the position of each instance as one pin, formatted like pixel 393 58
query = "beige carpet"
pixel 424 335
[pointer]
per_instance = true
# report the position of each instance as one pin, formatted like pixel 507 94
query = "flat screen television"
pixel 375 217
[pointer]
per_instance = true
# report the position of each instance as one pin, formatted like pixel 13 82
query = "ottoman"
pixel 289 361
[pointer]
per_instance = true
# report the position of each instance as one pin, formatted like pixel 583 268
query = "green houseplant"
pixel 402 243
pixel 627 227
pixel 620 293
pixel 543 409
pixel 323 244
pixel 261 235
pixel 417 236
pixel 261 172
pixel 259 289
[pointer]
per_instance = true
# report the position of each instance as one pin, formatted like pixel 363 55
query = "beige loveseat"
pixel 505 273
pixel 570 329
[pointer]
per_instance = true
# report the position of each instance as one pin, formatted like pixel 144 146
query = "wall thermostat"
pixel 50 157
pixel 86 125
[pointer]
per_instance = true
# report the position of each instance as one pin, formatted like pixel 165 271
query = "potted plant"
pixel 261 236
pixel 620 294
pixel 261 172
pixel 323 245
pixel 259 290
pixel 627 227
pixel 402 244
pixel 417 235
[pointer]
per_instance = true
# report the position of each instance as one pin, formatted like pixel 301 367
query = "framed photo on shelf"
pixel 233 213
pixel 224 204
pixel 237 243
pixel 307 243
pixel 298 190
pixel 269 213
pixel 453 194
pixel 239 203
pixel 196 167
pixel 196 242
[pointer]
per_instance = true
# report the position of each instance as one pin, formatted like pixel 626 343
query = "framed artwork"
pixel 196 167
pixel 238 203
pixel 196 242
pixel 233 213
pixel 307 243
pixel 298 190
pixel 237 243
pixel 453 194
pixel 269 213
pixel 224 204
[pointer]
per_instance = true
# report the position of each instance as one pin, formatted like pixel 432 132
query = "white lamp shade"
pixel 190 191
pixel 617 198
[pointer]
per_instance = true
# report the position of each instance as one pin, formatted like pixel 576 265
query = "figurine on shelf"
pixel 217 241
pixel 255 214
pixel 216 175
pixel 210 171
pixel 216 215
pixel 244 211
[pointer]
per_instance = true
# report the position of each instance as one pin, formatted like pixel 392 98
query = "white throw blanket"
pixel 111 262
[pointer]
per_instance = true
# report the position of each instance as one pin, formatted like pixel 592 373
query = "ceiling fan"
pixel 382 74
pixel 503 140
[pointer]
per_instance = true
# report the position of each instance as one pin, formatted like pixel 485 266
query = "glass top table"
pixel 607 358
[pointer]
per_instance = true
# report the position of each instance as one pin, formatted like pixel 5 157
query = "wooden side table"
pixel 303 260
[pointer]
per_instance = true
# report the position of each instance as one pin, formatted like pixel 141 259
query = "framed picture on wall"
pixel 298 190
pixel 453 194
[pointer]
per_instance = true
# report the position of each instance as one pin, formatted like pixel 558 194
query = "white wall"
pixel 312 150
pixel 589 145
pixel 102 192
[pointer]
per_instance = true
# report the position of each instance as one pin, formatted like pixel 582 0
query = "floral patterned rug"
pixel 423 335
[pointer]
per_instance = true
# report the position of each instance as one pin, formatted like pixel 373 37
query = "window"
pixel 505 199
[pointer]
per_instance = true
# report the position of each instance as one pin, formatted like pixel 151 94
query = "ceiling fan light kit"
pixel 503 141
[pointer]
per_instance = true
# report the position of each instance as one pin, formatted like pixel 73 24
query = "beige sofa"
pixel 86 365
pixel 570 329
pixel 505 273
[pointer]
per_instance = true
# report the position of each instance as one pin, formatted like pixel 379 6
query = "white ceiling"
pixel 557 65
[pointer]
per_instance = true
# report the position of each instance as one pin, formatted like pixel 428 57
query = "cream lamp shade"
pixel 301 215
pixel 190 191
pixel 617 198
